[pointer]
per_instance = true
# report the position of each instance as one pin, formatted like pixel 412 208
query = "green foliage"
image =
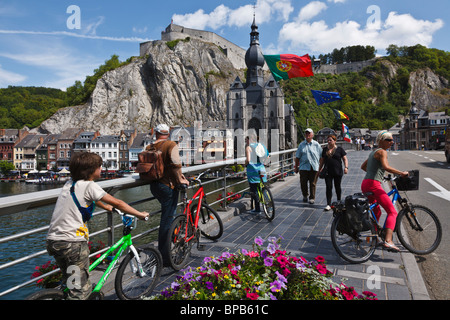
pixel 418 56
pixel 28 106
pixel 173 43
pixel 6 166
pixel 348 54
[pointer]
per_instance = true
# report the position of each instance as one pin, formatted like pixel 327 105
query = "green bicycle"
pixel 136 277
pixel 264 195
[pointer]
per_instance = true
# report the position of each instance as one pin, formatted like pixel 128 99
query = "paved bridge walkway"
pixel 305 229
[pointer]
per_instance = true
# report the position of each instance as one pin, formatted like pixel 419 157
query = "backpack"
pixel 150 164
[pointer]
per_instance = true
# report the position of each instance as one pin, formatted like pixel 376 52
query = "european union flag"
pixel 325 96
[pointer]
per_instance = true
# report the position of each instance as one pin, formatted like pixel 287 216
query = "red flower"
pixel 320 259
pixel 252 296
pixel 347 295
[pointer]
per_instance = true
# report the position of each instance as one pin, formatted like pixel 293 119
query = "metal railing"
pixel 281 163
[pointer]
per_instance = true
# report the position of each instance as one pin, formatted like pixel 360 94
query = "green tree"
pixel 6 166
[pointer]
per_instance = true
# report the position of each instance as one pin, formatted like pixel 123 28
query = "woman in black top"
pixel 332 158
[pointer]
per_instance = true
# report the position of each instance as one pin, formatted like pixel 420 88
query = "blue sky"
pixel 49 43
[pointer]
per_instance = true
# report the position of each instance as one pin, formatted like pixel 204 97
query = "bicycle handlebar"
pixel 120 213
pixel 192 180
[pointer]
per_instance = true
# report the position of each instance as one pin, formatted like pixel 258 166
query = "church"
pixel 259 104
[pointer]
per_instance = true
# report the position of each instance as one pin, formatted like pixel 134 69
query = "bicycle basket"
pixel 408 183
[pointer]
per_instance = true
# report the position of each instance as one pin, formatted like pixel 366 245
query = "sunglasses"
pixel 390 140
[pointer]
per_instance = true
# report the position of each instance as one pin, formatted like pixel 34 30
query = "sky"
pixel 53 43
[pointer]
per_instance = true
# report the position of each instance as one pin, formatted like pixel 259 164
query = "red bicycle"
pixel 197 218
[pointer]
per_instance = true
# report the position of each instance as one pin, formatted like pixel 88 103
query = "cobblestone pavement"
pixel 305 229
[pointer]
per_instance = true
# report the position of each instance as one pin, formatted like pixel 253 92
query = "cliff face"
pixel 426 89
pixel 426 86
pixel 173 86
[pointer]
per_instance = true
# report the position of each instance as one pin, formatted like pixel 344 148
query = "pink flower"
pixel 253 254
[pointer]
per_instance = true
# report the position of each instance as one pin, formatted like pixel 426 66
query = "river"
pixel 35 218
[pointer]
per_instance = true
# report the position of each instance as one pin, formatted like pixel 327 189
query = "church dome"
pixel 254 56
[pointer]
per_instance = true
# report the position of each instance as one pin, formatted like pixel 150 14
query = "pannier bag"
pixel 357 211
pixel 150 164
pixel 411 182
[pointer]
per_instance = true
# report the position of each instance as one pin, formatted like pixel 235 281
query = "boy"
pixel 67 238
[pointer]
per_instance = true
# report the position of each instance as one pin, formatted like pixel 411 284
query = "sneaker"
pixel 311 201
pixel 305 199
pixel 327 208
pixel 255 212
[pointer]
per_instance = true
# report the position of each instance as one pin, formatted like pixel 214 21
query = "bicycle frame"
pixel 200 194
pixel 124 243
pixel 395 197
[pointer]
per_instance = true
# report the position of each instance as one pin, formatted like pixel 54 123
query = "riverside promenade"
pixel 305 229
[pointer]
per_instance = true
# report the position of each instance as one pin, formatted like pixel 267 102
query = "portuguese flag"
pixel 287 66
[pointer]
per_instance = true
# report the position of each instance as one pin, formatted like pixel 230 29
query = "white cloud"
pixel 319 37
pixel 222 16
pixel 311 10
pixel 10 78
pixel 75 35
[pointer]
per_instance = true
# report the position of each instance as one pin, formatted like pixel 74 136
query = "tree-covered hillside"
pixel 369 99
pixel 29 106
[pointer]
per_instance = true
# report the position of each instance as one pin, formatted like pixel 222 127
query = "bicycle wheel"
pixel 129 283
pixel 209 222
pixel 179 249
pixel 357 248
pixel 267 203
pixel 419 230
pixel 47 294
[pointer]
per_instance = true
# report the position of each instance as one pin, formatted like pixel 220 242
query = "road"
pixel 434 193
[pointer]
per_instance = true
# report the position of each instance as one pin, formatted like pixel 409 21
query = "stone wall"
pixel 173 32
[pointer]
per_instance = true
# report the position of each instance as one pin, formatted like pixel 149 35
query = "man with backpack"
pixel 165 189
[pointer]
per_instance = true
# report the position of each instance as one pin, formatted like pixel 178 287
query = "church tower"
pixel 259 104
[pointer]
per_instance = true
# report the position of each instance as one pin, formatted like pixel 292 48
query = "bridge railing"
pixel 281 163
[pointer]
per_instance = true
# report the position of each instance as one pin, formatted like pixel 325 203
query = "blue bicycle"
pixel 355 233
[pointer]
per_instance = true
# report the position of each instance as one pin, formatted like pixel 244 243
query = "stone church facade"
pixel 259 103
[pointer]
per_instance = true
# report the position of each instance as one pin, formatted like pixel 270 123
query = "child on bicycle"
pixel 375 166
pixel 255 154
pixel 67 238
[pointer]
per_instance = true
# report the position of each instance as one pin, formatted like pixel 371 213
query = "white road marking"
pixel 443 193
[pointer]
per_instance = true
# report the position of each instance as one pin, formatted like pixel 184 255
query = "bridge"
pixel 305 229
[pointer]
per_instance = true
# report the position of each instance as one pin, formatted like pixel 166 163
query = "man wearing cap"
pixel 164 190
pixel 307 160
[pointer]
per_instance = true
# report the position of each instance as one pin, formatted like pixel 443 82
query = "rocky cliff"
pixel 428 90
pixel 174 86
